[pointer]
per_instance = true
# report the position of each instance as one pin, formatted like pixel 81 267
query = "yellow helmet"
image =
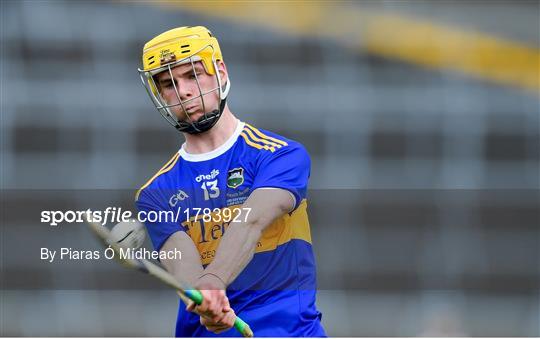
pixel 179 46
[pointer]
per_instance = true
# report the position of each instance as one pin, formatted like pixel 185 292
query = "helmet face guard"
pixel 207 53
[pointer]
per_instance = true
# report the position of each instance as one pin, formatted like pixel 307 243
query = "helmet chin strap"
pixel 204 123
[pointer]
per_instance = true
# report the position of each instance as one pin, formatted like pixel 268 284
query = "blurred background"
pixel 421 118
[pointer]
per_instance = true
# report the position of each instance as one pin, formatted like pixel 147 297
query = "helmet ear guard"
pixel 177 47
pixel 222 92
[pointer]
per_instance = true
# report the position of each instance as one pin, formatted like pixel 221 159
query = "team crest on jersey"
pixel 235 177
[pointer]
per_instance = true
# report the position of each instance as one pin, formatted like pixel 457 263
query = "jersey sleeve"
pixel 150 204
pixel 287 168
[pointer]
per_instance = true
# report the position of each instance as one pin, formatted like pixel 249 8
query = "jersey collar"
pixel 216 152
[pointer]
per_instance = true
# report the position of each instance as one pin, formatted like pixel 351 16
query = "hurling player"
pixel 239 195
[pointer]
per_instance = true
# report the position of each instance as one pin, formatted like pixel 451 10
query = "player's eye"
pixel 167 84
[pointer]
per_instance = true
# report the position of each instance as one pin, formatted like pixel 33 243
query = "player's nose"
pixel 185 90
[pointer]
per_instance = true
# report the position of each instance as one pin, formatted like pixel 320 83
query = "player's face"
pixel 193 87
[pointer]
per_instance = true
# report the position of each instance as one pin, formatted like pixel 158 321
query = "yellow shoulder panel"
pixel 264 136
pixel 253 137
pixel 256 145
pixel 286 228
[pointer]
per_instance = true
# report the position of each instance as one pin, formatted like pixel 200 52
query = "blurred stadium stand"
pixel 435 173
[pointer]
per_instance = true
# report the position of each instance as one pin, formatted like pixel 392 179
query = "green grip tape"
pixel 194 295
pixel 243 328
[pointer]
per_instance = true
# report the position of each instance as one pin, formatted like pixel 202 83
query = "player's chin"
pixel 196 115
pixel 188 118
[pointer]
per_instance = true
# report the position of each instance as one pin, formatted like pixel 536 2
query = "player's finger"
pixel 216 328
pixel 227 306
pixel 190 307
pixel 218 318
pixel 205 321
pixel 221 330
pixel 212 326
pixel 229 319
pixel 206 302
pixel 215 304
pixel 216 308
pixel 220 304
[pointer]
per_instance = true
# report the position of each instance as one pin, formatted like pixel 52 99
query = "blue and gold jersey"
pixel 275 293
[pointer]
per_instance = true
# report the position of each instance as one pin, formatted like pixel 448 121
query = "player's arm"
pixel 238 244
pixel 287 172
pixel 168 236
pixel 215 306
pixel 189 268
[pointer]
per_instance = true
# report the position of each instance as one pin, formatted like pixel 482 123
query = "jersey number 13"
pixel 211 189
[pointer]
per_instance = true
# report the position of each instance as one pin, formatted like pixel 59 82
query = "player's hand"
pixel 215 303
pixel 224 324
